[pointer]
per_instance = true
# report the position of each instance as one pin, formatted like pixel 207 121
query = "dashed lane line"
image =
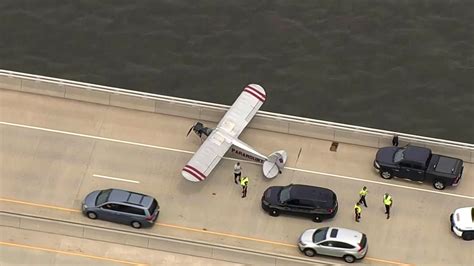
pixel 117 179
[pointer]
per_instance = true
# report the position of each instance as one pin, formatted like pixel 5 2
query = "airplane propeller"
pixel 192 127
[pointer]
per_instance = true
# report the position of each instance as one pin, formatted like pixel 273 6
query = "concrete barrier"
pixel 358 138
pixel 11 83
pixel 178 109
pixel 150 241
pixel 131 102
pixel 8 220
pixel 311 131
pixel 51 227
pixel 86 95
pixel 45 88
pixel 270 124
pixel 203 111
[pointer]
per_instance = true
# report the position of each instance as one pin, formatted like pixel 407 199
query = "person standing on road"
pixel 362 195
pixel 358 211
pixel 237 173
pixel 387 201
pixel 395 141
pixel 244 182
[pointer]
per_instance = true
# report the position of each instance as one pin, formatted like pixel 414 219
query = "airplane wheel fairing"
pixel 274 212
pixel 309 252
pixel 92 215
pixel 349 258
pixel 136 224
pixel 386 174
pixel 438 184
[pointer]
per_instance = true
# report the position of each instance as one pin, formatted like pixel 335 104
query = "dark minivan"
pixel 315 202
pixel 121 206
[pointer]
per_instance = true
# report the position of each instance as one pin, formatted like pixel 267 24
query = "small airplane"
pixel 218 141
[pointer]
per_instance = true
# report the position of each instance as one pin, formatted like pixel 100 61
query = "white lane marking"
pixel 118 179
pixel 190 152
pixel 95 137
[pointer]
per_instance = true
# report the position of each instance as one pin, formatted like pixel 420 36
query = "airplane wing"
pixel 229 128
pixel 243 110
pixel 207 156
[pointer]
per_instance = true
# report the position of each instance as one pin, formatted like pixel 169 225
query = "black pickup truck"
pixel 418 164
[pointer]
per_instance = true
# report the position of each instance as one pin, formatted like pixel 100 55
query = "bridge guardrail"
pixel 150 102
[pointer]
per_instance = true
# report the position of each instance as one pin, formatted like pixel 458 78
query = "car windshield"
pixel 285 194
pixel 103 197
pixel 399 155
pixel 320 234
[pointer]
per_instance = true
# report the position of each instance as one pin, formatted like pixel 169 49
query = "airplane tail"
pixel 275 163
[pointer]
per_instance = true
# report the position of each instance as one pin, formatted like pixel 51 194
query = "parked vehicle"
pixel 121 206
pixel 334 241
pixel 315 202
pixel 462 223
pixel 418 164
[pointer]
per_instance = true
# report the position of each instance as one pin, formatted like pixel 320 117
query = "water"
pixel 406 66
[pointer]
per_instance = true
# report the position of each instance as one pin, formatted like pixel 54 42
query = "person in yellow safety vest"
pixel 358 211
pixel 362 195
pixel 387 201
pixel 244 182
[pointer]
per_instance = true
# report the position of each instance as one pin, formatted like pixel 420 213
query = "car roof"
pixel 344 235
pixel 416 154
pixel 310 192
pixel 118 195
pixel 464 218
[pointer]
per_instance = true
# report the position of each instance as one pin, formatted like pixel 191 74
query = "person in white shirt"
pixel 237 173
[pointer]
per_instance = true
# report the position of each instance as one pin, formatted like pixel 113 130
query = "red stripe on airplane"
pixel 195 172
pixel 254 93
pixel 257 91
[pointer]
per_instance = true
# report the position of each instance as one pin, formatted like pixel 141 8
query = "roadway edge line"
pixel 233 159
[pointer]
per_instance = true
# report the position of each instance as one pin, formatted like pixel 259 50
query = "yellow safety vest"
pixel 363 192
pixel 358 209
pixel 244 181
pixel 387 200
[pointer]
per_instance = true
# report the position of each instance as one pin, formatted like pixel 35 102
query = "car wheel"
pixel 468 235
pixel 274 212
pixel 386 174
pixel 309 252
pixel 92 215
pixel 438 184
pixel 136 224
pixel 317 218
pixel 349 258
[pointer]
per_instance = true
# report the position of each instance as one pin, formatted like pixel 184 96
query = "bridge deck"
pixel 58 168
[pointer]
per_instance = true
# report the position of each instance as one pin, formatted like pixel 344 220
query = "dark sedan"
pixel 315 202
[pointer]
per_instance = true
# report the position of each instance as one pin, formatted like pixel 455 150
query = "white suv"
pixel 462 223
